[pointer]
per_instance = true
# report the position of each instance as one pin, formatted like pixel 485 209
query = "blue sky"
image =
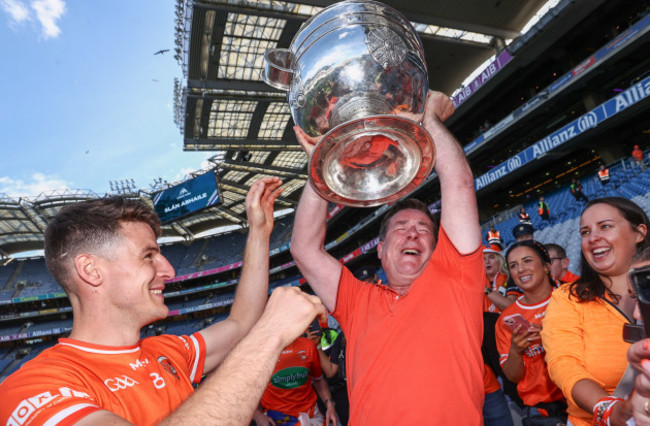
pixel 83 98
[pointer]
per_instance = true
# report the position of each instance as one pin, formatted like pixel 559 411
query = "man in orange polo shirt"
pixel 424 326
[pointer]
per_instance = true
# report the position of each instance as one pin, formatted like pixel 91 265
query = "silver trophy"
pixel 356 78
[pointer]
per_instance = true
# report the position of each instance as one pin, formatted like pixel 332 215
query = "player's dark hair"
pixel 88 226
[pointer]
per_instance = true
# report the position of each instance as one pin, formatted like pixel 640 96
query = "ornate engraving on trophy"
pixel 386 47
pixel 297 93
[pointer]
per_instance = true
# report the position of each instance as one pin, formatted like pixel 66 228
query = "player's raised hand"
pixel 259 202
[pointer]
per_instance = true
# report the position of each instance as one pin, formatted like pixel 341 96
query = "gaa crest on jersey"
pixel 302 355
pixel 167 365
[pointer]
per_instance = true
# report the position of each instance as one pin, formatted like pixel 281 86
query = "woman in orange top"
pixel 517 332
pixel 582 332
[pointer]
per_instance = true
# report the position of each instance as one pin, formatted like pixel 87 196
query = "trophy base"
pixel 371 161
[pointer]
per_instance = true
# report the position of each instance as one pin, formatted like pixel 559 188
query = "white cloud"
pixel 16 9
pixel 37 184
pixel 47 13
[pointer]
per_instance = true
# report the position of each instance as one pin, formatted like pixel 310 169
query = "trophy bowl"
pixel 356 80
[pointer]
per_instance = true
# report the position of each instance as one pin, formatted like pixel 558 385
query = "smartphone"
pixel 514 320
pixel 640 278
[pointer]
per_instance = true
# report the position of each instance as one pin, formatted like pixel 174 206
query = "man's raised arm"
pixel 253 287
pixel 320 269
pixel 459 215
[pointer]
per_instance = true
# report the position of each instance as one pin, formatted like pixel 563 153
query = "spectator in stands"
pixel 524 217
pixel 523 231
pixel 576 191
pixel 517 333
pixel 424 326
pixel 289 398
pixel 494 237
pixel 582 335
pixel 637 155
pixel 496 278
pixel 603 175
pixel 105 255
pixel 560 264
pixel 543 210
pixel 495 408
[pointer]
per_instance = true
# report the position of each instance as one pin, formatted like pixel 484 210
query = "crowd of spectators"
pixel 553 331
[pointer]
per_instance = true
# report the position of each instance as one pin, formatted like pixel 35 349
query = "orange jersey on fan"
pixel 569 277
pixel 290 390
pixel 536 386
pixel 142 383
pixel 499 285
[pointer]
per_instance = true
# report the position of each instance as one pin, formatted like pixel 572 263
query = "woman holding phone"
pixel 517 333
pixel 582 333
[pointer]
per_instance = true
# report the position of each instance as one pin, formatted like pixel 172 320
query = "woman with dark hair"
pixel 582 333
pixel 517 334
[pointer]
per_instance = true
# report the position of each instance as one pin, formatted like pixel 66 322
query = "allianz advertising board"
pixel 187 197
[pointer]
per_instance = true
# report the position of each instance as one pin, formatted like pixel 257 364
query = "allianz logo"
pixel 514 163
pixel 119 383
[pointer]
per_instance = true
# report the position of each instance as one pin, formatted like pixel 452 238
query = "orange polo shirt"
pixel 416 357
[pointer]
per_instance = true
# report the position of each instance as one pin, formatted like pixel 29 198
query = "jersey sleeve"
pixel 469 268
pixel 42 395
pixel 188 351
pixel 348 291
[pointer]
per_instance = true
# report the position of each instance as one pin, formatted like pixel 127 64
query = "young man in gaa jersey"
pixel 105 255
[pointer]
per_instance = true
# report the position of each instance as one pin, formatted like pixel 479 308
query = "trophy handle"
pixel 277 71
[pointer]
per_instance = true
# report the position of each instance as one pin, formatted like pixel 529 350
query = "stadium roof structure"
pixel 222 105
pixel 23 221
